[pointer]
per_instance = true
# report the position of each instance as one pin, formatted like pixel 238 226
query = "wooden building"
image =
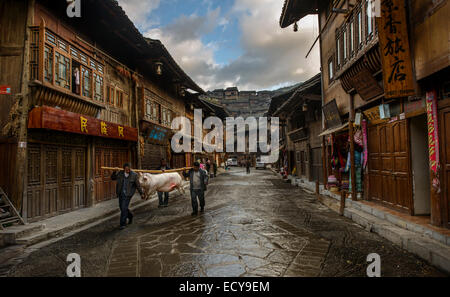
pixel 386 76
pixel 302 113
pixel 81 95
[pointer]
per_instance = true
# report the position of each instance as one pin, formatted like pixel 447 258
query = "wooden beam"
pixel 352 148
pixel 10 50
pixel 150 171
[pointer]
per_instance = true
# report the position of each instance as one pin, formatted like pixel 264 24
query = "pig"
pixel 166 182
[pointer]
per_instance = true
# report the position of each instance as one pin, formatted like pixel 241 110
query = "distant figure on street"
pixel 208 166
pixel 127 184
pixel 215 169
pixel 199 181
pixel 247 165
pixel 165 202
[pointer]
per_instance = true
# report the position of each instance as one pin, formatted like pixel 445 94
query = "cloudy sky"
pixel 223 43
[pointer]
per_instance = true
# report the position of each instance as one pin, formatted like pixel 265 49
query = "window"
pixel 344 42
pixel 98 87
pixel 166 118
pixel 87 81
pixel 110 95
pixel 358 29
pixel 338 51
pixel 154 112
pixel 352 37
pixel 330 69
pixel 119 98
pixel 62 71
pixel 48 64
pixel 369 19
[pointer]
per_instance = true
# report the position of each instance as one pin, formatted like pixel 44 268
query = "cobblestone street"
pixel 254 225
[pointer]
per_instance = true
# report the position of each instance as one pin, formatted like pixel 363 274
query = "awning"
pixel 45 117
pixel 334 130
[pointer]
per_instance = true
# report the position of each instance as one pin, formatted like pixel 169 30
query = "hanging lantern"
pixel 305 106
pixel 158 68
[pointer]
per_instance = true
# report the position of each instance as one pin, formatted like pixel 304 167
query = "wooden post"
pixel 317 189
pixel 21 168
pixel 352 148
pixel 324 162
pixel 343 197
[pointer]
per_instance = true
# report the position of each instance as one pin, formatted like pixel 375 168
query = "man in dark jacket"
pixel 165 202
pixel 127 184
pixel 199 180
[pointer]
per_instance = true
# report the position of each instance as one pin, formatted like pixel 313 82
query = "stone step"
pixel 431 250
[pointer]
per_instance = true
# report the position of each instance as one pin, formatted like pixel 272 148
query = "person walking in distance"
pixel 247 165
pixel 127 184
pixel 165 202
pixel 199 181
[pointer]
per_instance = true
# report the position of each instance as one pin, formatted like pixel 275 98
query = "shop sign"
pixel 51 118
pixel 5 90
pixel 385 112
pixel 332 116
pixel 366 151
pixel 366 86
pixel 395 52
pixel 154 133
pixel 414 106
pixel 433 131
pixel 372 114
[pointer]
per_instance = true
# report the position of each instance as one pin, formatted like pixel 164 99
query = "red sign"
pixel 51 118
pixel 5 90
pixel 433 131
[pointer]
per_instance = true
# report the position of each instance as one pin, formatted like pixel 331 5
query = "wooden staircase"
pixel 8 213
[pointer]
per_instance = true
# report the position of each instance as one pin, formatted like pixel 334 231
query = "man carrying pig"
pixel 165 202
pixel 127 184
pixel 199 180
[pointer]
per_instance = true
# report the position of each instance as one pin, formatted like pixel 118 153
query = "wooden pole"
pixel 352 148
pixel 324 162
pixel 343 196
pixel 149 171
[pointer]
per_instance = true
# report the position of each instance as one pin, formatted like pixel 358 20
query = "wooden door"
pixel 56 180
pixel 445 153
pixel 50 204
pixel 79 185
pixel 34 186
pixel 105 187
pixel 98 175
pixel 389 165
pixel 316 166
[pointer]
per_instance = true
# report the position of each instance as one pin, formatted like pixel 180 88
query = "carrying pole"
pixel 149 171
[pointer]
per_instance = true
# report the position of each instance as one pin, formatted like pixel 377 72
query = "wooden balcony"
pixel 49 95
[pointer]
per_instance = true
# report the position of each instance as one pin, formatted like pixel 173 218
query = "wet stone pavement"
pixel 254 225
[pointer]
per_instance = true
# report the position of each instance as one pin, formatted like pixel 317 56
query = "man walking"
pixel 127 184
pixel 199 180
pixel 247 165
pixel 165 202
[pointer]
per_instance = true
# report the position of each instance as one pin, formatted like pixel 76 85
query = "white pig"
pixel 166 182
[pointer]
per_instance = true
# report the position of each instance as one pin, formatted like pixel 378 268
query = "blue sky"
pixel 222 43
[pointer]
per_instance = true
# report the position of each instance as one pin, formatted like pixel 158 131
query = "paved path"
pixel 255 225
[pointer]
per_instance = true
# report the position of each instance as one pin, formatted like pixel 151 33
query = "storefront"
pixel 65 152
pixel 155 145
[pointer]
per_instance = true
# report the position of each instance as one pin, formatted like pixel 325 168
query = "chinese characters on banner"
pixel 394 47
pixel 5 90
pixel 433 138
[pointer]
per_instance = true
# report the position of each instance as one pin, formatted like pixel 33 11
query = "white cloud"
pixel 271 56
pixel 139 12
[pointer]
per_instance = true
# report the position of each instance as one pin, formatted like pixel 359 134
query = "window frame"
pixel 332 73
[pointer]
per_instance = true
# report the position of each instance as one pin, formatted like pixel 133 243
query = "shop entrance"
pixel 56 180
pixel 389 165
pixel 445 148
pixel 419 165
